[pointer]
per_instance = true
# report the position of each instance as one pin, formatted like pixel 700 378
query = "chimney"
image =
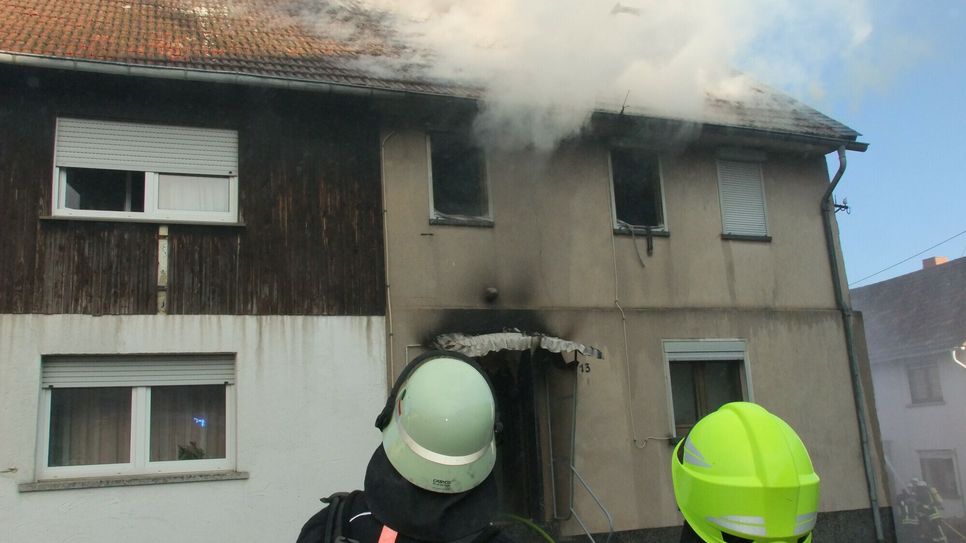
pixel 934 261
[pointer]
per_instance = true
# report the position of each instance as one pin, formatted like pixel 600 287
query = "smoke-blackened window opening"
pixel 458 175
pixel 638 198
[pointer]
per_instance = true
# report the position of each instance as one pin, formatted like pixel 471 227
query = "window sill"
pixel 740 237
pixel 655 233
pixel 145 220
pixel 132 480
pixel 927 403
pixel 457 221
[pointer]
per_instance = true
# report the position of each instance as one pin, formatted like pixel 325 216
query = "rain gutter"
pixel 208 76
pixel 858 394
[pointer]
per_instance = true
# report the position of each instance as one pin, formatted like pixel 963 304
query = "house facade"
pixel 215 260
pixel 916 327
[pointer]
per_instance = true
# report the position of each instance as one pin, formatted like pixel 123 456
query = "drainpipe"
pixel 828 210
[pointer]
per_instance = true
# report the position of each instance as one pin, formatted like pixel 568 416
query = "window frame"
pixel 663 228
pixel 725 233
pixel 438 217
pixel 152 213
pixel 704 350
pixel 140 461
pixel 942 454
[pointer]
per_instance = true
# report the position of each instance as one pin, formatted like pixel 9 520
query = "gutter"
pixel 858 394
pixel 238 78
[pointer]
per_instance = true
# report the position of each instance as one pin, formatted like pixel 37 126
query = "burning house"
pixel 221 238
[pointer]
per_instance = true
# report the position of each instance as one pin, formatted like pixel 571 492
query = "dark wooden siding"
pixel 309 197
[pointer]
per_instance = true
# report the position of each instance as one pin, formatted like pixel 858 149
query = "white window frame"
pixel 702 350
pixel 140 462
pixel 663 227
pixel 151 213
pixel 438 216
pixel 764 200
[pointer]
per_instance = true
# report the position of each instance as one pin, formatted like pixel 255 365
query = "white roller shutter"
pixel 742 198
pixel 112 145
pixel 139 370
pixel 685 351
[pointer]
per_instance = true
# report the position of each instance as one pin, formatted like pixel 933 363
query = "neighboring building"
pixel 219 240
pixel 915 327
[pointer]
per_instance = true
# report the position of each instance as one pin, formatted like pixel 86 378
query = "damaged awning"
pixel 481 344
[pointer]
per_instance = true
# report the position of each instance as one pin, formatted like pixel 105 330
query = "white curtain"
pixel 193 193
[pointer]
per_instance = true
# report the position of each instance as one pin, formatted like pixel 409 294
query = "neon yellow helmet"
pixel 743 475
pixel 438 424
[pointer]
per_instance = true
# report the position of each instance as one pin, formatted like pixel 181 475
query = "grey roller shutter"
pixel 684 351
pixel 112 145
pixel 139 370
pixel 742 198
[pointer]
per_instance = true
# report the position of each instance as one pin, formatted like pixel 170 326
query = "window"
pixel 742 194
pixel 128 171
pixel 458 178
pixel 703 375
pixel 924 384
pixel 637 196
pixel 121 415
pixel 939 471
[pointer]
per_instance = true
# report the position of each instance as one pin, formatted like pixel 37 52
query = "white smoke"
pixel 547 64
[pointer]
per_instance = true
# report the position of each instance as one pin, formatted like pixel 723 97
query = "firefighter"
pixel 430 480
pixel 907 510
pixel 930 506
pixel 743 475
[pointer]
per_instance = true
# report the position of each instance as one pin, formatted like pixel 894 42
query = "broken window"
pixel 924 384
pixel 458 175
pixel 638 200
pixel 129 171
pixel 108 415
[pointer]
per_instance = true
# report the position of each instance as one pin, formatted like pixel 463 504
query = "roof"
pixel 310 41
pixel 916 314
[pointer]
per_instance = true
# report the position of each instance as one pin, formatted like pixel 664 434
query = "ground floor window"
pixel 939 471
pixel 116 415
pixel 703 376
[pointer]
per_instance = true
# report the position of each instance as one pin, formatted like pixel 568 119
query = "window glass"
pixel 637 188
pixel 90 426
pixel 682 394
pixel 722 383
pixel 187 422
pixel 459 178
pixel 940 473
pixel 924 384
pixel 700 387
pixel 104 190
pixel 193 193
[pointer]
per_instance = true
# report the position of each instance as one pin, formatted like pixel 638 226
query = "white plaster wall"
pixel 307 392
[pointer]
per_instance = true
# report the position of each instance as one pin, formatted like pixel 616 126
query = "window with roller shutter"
pixel 742 194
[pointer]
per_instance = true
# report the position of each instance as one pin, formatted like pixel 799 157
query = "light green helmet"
pixel 440 434
pixel 743 475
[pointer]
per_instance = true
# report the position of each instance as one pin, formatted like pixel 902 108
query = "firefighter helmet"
pixel 743 475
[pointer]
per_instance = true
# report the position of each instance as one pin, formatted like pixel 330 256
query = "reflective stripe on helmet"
pixel 805 523
pixel 742 525
pixel 693 455
pixel 436 457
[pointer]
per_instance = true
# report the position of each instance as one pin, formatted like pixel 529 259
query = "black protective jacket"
pixel 418 515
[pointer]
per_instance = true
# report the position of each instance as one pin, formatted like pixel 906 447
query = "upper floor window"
pixel 638 198
pixel 130 171
pixel 742 193
pixel 125 415
pixel 459 182
pixel 924 384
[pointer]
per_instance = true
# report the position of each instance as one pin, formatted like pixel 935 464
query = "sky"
pixel 908 191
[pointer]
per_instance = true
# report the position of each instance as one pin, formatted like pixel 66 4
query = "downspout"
pixel 828 209
pixel 390 343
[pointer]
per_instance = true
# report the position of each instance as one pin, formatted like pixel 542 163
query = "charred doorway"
pixel 520 465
